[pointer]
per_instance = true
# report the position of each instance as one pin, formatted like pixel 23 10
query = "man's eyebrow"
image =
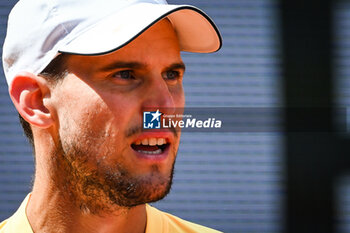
pixel 179 65
pixel 137 65
pixel 121 64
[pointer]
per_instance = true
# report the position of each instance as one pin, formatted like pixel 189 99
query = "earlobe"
pixel 28 92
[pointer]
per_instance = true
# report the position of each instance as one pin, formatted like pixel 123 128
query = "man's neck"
pixel 49 210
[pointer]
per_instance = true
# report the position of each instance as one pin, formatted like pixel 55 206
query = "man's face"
pixel 98 115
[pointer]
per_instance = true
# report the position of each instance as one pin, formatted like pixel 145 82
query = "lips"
pixel 150 146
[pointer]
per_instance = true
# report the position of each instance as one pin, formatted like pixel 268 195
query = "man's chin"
pixel 158 193
pixel 112 194
pixel 145 190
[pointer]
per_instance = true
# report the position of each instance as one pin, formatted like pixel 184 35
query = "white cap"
pixel 38 30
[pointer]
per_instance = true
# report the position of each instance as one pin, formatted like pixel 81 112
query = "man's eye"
pixel 172 75
pixel 125 74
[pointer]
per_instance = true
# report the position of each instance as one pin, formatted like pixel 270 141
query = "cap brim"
pixel 195 30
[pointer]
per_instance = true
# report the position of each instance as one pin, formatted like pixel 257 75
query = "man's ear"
pixel 28 92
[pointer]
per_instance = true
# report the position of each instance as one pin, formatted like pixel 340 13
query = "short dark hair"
pixel 54 72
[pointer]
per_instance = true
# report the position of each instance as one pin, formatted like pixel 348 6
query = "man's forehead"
pixel 108 63
pixel 159 43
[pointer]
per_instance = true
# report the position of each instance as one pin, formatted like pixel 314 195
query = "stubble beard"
pixel 105 189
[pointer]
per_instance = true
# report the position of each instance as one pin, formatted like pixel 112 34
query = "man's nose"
pixel 160 97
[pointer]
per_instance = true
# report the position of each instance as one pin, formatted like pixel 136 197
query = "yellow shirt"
pixel 157 222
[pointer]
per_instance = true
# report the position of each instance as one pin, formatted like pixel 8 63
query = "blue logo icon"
pixel 151 120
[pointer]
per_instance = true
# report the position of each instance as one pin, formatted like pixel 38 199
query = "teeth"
pixel 160 141
pixel 151 141
pixel 159 151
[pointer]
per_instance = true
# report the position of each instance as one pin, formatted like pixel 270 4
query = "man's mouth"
pixel 151 146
